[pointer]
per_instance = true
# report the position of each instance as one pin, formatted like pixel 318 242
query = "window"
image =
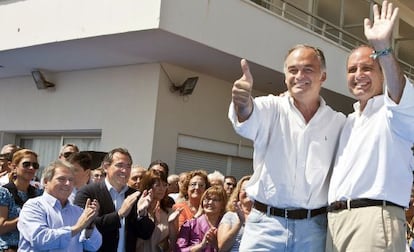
pixel 194 153
pixel 48 147
pixel 188 160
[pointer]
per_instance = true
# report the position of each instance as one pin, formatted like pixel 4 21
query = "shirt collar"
pixel 111 188
pixel 52 200
pixel 372 104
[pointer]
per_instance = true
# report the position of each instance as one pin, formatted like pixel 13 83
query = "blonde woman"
pixel 200 234
pixel 230 230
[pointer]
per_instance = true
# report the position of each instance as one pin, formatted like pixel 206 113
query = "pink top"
pixel 191 233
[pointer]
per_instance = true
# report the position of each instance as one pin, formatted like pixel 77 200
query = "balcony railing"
pixel 321 26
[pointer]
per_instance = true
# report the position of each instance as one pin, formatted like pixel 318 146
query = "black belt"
pixel 357 203
pixel 289 213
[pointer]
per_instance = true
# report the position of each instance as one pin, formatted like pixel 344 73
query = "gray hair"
pixel 49 171
pixel 318 52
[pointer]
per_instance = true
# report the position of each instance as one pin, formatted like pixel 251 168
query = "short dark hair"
pixel 160 163
pixel 108 159
pixel 230 177
pixel 84 159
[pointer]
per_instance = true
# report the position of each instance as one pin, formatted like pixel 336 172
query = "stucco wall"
pixel 119 101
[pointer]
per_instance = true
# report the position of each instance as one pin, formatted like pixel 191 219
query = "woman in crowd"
pixel 193 188
pixel 24 166
pixel 163 217
pixel 9 236
pixel 230 230
pixel 200 234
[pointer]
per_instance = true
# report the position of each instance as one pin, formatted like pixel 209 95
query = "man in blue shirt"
pixel 51 222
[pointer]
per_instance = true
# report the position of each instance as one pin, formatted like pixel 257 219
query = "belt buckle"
pixel 340 205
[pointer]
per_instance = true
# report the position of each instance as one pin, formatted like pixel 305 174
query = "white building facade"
pixel 113 64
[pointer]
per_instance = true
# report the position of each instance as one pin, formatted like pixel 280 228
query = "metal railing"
pixel 321 26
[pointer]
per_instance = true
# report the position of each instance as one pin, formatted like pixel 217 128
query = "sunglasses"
pixel 27 165
pixel 67 154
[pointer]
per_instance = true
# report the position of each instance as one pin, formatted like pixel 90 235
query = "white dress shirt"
pixel 374 156
pixel 292 159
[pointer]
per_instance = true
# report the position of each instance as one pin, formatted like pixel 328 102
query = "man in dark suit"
pixel 121 219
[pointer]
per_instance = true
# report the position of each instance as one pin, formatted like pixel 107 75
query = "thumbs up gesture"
pixel 241 93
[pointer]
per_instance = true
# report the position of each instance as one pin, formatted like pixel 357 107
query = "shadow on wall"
pixel 97 157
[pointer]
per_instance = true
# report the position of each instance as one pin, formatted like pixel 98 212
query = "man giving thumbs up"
pixel 295 137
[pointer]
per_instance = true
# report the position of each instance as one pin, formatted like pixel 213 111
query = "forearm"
pixel 197 247
pixel 393 77
pixel 8 226
pixel 244 111
pixel 172 234
pixel 227 237
pixel 76 229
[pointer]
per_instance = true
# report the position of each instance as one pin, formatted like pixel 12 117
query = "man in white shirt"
pixel 295 137
pixel 371 181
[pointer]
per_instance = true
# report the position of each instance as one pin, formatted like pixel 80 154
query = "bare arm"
pixel 241 93
pixel 6 225
pixel 379 34
pixel 226 235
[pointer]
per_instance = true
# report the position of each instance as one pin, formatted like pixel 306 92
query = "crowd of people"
pixel 320 179
pixel 115 207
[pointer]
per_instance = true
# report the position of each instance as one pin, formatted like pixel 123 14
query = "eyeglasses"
pixel 27 165
pixel 67 154
pixel 199 185
pixel 122 166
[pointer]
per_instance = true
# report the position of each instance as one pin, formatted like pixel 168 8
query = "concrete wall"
pixel 45 21
pixel 132 106
pixel 120 102
pixel 202 114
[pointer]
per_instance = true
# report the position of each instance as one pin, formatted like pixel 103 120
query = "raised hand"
pixel 239 210
pixel 87 216
pixel 128 204
pixel 144 202
pixel 95 206
pixel 211 237
pixel 379 32
pixel 173 216
pixel 241 92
